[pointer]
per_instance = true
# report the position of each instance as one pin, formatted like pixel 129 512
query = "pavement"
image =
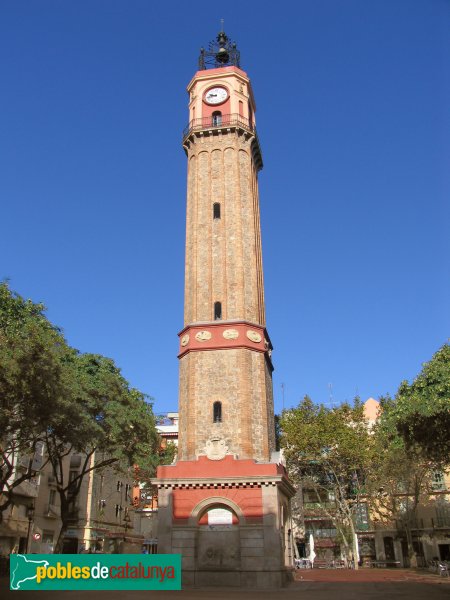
pixel 311 584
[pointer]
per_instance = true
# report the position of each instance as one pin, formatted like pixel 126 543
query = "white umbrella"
pixel 312 554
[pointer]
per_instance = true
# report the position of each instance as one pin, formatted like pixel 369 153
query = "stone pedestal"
pixel 254 548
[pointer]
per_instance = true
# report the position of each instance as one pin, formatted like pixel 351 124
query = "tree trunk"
pixel 354 545
pixel 62 534
pixel 65 521
pixel 411 552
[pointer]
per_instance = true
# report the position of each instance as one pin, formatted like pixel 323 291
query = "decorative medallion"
pixel 185 340
pixel 230 334
pixel 254 336
pixel 215 448
pixel 203 336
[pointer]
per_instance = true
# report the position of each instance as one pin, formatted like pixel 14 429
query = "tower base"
pixel 229 519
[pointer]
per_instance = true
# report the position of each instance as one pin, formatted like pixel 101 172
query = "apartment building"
pixel 101 520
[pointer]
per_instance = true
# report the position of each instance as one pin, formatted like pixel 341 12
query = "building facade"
pixel 380 540
pixel 224 505
pixel 102 516
pixel 427 528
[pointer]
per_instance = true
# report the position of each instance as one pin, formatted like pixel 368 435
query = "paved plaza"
pixel 317 584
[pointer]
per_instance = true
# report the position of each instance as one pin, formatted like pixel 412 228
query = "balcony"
pixel 218 122
pixel 28 488
pixel 318 509
pixel 329 532
pixel 222 123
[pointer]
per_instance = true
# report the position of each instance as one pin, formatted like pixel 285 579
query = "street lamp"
pixel 30 515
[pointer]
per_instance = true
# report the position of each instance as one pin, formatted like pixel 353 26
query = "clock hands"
pixel 216 95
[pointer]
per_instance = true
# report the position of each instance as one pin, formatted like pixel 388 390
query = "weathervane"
pixel 220 53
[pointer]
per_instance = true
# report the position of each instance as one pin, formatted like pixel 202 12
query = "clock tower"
pixel 225 504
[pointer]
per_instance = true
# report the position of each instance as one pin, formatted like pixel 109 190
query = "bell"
pixel 222 56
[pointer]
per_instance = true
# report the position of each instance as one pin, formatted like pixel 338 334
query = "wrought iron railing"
pixel 218 122
pixel 319 506
pixel 328 532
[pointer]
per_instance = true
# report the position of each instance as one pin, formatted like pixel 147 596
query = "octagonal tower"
pixel 224 504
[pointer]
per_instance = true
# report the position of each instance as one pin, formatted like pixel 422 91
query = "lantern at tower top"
pixel 221 52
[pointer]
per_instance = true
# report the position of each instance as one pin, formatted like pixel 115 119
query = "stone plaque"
pixel 203 336
pixel 254 336
pixel 220 516
pixel 230 334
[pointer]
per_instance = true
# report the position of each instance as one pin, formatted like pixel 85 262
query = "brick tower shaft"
pixel 225 394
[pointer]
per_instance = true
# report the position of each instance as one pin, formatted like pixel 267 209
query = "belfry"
pixel 225 504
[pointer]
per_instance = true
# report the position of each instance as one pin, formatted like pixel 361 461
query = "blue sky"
pixel 353 116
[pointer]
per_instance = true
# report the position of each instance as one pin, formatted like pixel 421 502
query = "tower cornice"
pixel 217 74
pixel 198 131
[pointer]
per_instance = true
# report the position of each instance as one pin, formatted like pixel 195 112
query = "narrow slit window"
pixel 217 311
pixel 216 210
pixel 217 412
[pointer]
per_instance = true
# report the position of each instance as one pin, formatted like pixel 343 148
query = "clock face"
pixel 216 95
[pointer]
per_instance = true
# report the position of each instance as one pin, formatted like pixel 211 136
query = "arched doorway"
pixel 218 522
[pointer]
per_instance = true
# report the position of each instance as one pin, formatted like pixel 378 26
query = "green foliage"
pixel 328 452
pixel 32 381
pixel 334 441
pixel 420 414
pixel 105 421
pixel 145 471
pixel 104 413
pixel 73 402
pixel 33 384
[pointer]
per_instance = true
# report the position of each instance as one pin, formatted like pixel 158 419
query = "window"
pixel 361 518
pixel 443 513
pixel 47 542
pixel 217 412
pixel 72 483
pixel 216 210
pixel 217 118
pixel 52 497
pixel 217 311
pixel 438 481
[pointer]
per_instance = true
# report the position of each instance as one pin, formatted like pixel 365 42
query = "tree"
pixel 400 480
pixel 329 450
pixel 105 422
pixel 32 385
pixel 69 402
pixel 144 473
pixel 421 412
pixel 402 468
